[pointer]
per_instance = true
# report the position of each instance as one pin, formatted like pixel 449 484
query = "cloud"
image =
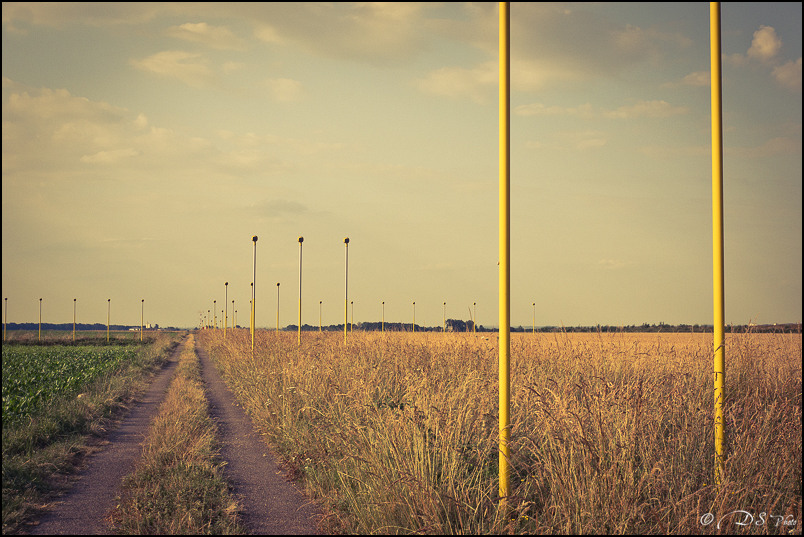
pixel 284 89
pixel 698 78
pixel 788 75
pixel 218 37
pixel 186 67
pixel 476 84
pixel 765 45
pixel 646 109
pixel 110 157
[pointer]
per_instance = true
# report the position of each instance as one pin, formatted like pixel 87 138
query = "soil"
pixel 270 504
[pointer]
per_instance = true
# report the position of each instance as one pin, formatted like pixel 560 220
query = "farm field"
pixel 610 433
pixel 56 397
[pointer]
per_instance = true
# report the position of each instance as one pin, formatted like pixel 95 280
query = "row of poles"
pixel 75 308
pixel 504 243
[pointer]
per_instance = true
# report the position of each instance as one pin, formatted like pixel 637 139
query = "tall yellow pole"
pixel 346 299
pixel 383 316
pixel 253 296
pixel 505 248
pixel 40 319
pixel 534 319
pixel 142 319
pixel 234 317
pixel 225 307
pixel 319 316
pixel 474 317
pixel 414 317
pixel 277 306
pixel 74 302
pixel 444 320
pixel 108 316
pixel 352 323
pixel 5 323
pixel 301 240
pixel 215 313
pixel 719 343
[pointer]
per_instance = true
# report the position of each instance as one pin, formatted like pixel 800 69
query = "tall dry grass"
pixel 610 433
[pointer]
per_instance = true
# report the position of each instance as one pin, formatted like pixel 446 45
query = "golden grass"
pixel 610 433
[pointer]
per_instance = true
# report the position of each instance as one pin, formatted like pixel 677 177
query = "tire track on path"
pixel 83 508
pixel 269 503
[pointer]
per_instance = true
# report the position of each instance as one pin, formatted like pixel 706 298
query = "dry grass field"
pixel 611 433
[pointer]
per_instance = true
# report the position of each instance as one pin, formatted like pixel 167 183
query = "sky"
pixel 144 144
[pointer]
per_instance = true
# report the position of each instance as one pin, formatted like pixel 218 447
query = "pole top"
pixel 301 239
pixel 226 283
pixel 346 240
pixel 277 284
pixel 254 238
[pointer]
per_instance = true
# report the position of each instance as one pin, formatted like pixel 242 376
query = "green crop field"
pixel 33 375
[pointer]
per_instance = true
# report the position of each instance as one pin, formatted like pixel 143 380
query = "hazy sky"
pixel 144 144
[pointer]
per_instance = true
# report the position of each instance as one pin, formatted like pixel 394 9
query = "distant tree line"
pixel 78 326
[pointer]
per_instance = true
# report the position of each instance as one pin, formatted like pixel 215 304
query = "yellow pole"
pixel 40 319
pixel 301 240
pixel 209 318
pixel 505 248
pixel 414 317
pixel 352 324
pixel 277 306
pixel 319 316
pixel 383 316
pixel 234 317
pixel 444 326
pixel 474 317
pixel 346 299
pixel 225 307
pixel 5 323
pixel 74 302
pixel 253 296
pixel 108 316
pixel 717 238
pixel 142 319
pixel 534 319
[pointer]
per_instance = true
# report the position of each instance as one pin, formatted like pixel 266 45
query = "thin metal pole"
pixel 225 307
pixel 253 295
pixel 74 302
pixel 301 240
pixel 346 289
pixel 719 343
pixel 142 319
pixel 505 247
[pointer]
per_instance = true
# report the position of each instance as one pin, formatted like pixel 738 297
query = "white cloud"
pixel 218 37
pixel 187 67
pixel 765 45
pixel 646 109
pixel 789 75
pixel 698 78
pixel 476 84
pixel 110 157
pixel 284 89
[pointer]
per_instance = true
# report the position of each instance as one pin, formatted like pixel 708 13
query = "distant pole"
pixel 533 331
pixel 444 326
pixel 215 313
pixel 234 317
pixel 717 239
pixel 346 288
pixel 319 316
pixel 209 318
pixel 225 307
pixel 474 317
pixel 40 319
pixel 383 316
pixel 414 316
pixel 301 240
pixel 277 306
pixel 108 316
pixel 505 249
pixel 5 322
pixel 352 324
pixel 142 319
pixel 254 296
pixel 74 303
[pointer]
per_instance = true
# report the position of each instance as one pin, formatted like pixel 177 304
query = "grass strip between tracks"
pixel 178 486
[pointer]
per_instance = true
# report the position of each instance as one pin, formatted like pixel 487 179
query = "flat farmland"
pixel 610 432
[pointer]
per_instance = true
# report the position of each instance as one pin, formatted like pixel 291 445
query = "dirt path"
pixel 81 511
pixel 270 504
